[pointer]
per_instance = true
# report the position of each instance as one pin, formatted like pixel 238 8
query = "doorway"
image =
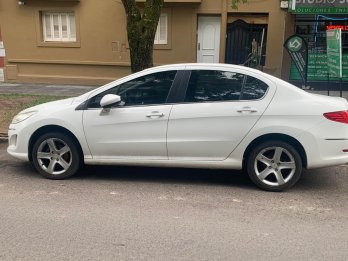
pixel 208 39
pixel 246 41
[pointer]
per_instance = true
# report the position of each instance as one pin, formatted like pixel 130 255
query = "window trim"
pixel 69 39
pixel 168 45
pixel 158 40
pixel 40 34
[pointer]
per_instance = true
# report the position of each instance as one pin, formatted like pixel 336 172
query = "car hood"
pixel 51 105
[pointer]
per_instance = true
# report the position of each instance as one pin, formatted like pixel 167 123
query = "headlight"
pixel 22 116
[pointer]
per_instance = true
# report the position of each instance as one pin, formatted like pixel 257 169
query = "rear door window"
pixel 213 85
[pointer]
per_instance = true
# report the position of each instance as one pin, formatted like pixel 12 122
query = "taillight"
pixel 339 116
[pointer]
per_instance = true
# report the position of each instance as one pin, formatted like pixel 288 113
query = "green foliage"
pixel 236 2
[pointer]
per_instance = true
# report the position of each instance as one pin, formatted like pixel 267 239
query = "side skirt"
pixel 226 164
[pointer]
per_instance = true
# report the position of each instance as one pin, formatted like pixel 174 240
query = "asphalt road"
pixel 123 213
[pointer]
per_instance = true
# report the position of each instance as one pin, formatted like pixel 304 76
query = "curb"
pixel 3 137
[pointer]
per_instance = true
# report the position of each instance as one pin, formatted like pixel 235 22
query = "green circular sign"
pixel 295 44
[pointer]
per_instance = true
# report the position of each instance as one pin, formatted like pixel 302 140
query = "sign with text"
pixel 298 50
pixel 317 68
pixel 334 52
pixel 318 6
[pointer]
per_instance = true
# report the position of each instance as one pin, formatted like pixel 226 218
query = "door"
pixel 137 127
pixel 220 108
pixel 208 40
pixel 244 38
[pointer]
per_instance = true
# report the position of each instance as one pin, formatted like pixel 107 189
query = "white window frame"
pixel 70 37
pixel 163 18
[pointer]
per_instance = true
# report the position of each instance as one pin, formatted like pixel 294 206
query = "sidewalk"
pixel 45 89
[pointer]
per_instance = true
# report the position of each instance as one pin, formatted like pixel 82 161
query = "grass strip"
pixel 12 104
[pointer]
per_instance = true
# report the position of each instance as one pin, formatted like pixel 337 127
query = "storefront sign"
pixel 334 52
pixel 333 27
pixel 298 50
pixel 318 6
pixel 317 68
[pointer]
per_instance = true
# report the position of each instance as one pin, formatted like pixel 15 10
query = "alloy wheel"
pixel 274 166
pixel 54 156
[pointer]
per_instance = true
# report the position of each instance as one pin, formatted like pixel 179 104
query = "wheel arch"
pixel 281 137
pixel 52 128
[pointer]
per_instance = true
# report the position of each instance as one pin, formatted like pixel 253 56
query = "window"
pixel 59 27
pixel 209 85
pixel 149 89
pixel 253 89
pixel 162 30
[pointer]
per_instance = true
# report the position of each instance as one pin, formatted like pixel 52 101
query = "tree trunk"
pixel 141 30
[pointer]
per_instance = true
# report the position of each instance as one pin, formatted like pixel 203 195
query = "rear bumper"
pixel 329 153
pixel 324 144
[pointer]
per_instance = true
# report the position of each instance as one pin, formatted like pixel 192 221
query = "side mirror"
pixel 108 100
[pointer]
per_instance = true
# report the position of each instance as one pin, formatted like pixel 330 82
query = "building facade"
pixel 85 41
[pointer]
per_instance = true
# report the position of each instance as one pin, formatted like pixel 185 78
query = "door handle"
pixel 155 114
pixel 199 46
pixel 247 109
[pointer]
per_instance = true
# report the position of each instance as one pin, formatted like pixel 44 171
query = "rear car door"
pixel 219 109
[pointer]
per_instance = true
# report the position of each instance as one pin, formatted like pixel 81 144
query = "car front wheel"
pixel 274 165
pixel 55 156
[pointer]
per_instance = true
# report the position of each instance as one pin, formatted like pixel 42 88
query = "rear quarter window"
pixel 253 89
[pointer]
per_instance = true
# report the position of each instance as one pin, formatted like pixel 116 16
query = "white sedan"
pixel 188 115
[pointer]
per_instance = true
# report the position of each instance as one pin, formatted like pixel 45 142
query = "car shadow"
pixel 317 179
pixel 311 180
pixel 166 175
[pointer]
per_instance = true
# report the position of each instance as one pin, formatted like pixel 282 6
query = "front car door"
pixel 219 109
pixel 136 128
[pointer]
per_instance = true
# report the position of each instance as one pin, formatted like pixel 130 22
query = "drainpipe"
pixel 224 8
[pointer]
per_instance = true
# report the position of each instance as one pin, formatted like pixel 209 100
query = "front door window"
pixel 150 89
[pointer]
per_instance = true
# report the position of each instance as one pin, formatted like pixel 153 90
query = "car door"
pixel 219 109
pixel 135 128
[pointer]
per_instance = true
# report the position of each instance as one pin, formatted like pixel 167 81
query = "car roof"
pixel 201 65
pixel 209 66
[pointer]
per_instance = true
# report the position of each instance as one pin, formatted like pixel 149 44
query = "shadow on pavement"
pixel 165 175
pixel 318 179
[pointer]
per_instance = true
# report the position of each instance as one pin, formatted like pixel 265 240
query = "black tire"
pixel 60 161
pixel 271 172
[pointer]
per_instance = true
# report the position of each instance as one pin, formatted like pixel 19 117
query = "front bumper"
pixel 18 142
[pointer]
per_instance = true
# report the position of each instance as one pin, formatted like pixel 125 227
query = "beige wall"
pixel 101 53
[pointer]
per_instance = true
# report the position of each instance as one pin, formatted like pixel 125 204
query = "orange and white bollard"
pixel 2 59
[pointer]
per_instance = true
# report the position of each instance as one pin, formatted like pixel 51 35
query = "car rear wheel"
pixel 55 156
pixel 274 166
